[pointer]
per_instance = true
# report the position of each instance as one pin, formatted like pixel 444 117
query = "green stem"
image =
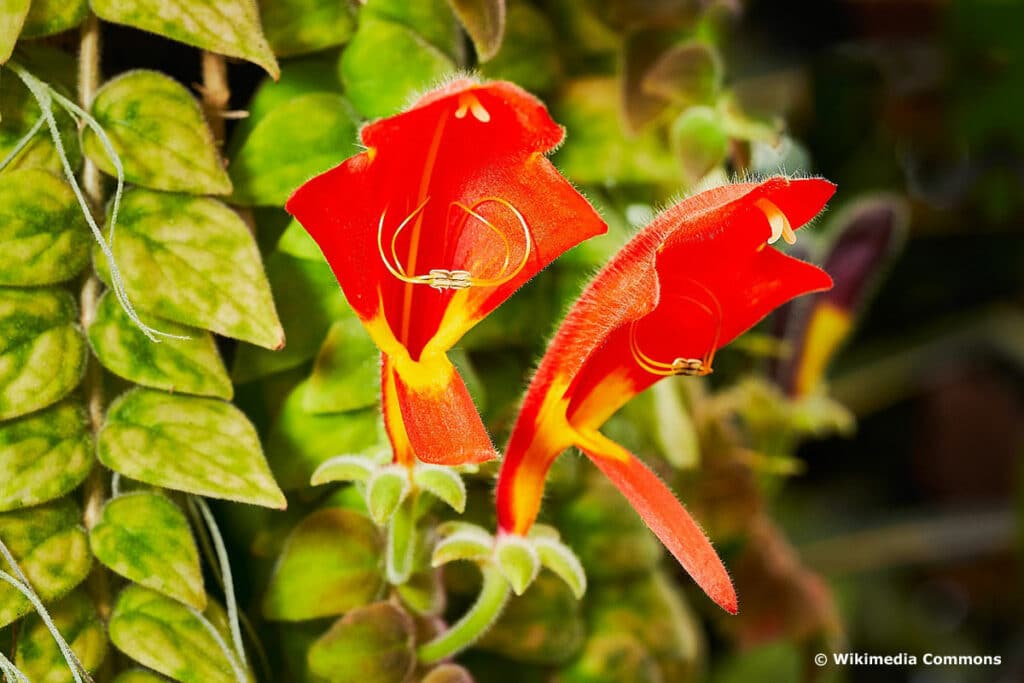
pixel 481 616
pixel 400 554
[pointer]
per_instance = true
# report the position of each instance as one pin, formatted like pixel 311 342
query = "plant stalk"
pixel 475 623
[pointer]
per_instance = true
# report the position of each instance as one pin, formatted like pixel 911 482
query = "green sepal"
pixel 517 560
pixel 345 468
pixel 385 491
pixel 461 541
pixel 560 559
pixel 443 482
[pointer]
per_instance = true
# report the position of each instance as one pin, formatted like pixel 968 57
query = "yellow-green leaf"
pixel 39 657
pixel 543 625
pixel 484 21
pixel 193 260
pixel 44 238
pixel 43 455
pixel 228 27
pixel 12 18
pixel 140 676
pixel 52 550
pixel 372 644
pixel 190 366
pixel 331 563
pixel 157 129
pixel 346 374
pixel 295 27
pixel 47 17
pixel 146 538
pixel 185 443
pixel 42 352
pixel 529 52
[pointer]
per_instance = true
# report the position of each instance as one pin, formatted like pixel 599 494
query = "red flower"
pixel 692 281
pixel 451 208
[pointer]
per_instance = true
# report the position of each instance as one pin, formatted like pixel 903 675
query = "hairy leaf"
pixel 295 27
pixel 43 235
pixel 228 27
pixel 331 563
pixel 47 17
pixel 169 637
pixel 185 443
pixel 40 658
pixel 296 141
pixel 190 366
pixel 146 538
pixel 42 352
pixel 372 644
pixel 43 455
pixel 346 374
pixel 193 260
pixel 52 550
pixel 157 129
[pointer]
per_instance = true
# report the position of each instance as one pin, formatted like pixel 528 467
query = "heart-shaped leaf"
pixel 52 550
pixel 199 445
pixel 484 21
pixel 190 366
pixel 39 657
pixel 448 673
pixel 171 638
pixel 43 455
pixel 193 260
pixel 330 564
pixel 295 27
pixel 346 374
pixel 47 17
pixel 42 352
pixel 157 129
pixel 228 27
pixel 43 235
pixel 294 142
pixel 146 538
pixel 12 18
pixel 139 676
pixel 372 644
pixel 688 73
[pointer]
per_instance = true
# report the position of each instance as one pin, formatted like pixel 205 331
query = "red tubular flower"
pixel 451 208
pixel 692 281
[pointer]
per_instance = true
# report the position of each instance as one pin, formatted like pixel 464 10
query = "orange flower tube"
pixel 697 277
pixel 450 209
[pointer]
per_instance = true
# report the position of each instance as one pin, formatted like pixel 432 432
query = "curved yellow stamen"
pixel 778 222
pixel 692 367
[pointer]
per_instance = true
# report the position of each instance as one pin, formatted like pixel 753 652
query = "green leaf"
pixel 169 637
pixel 39 657
pixel 399 49
pixel 448 673
pixel 688 73
pixel 673 427
pixel 699 141
pixel 157 129
pixel 146 538
pixel 19 112
pixel 542 626
pixel 47 17
pixel 296 141
pixel 43 235
pixel 299 441
pixel 484 21
pixel 193 260
pixel 139 676
pixel 308 299
pixel 198 445
pixel 529 53
pixel 330 564
pixel 12 18
pixel 295 27
pixel 228 27
pixel 43 455
pixel 42 352
pixel 614 656
pixel 52 550
pixel 372 644
pixel 190 366
pixel 346 374
pixel 295 241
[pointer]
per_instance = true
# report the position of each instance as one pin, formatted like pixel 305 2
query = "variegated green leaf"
pixel 146 538
pixel 308 299
pixel 193 260
pixel 190 366
pixel 295 27
pixel 300 441
pixel 39 657
pixel 346 374
pixel 157 129
pixel 47 17
pixel 399 49
pixel 140 676
pixel 296 141
pixel 199 445
pixel 372 644
pixel 43 234
pixel 42 351
pixel 171 638
pixel 12 18
pixel 228 27
pixel 43 455
pixel 51 549
pixel 331 563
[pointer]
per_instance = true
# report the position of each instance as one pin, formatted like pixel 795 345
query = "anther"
pixel 468 102
pixel 777 220
pixel 441 279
